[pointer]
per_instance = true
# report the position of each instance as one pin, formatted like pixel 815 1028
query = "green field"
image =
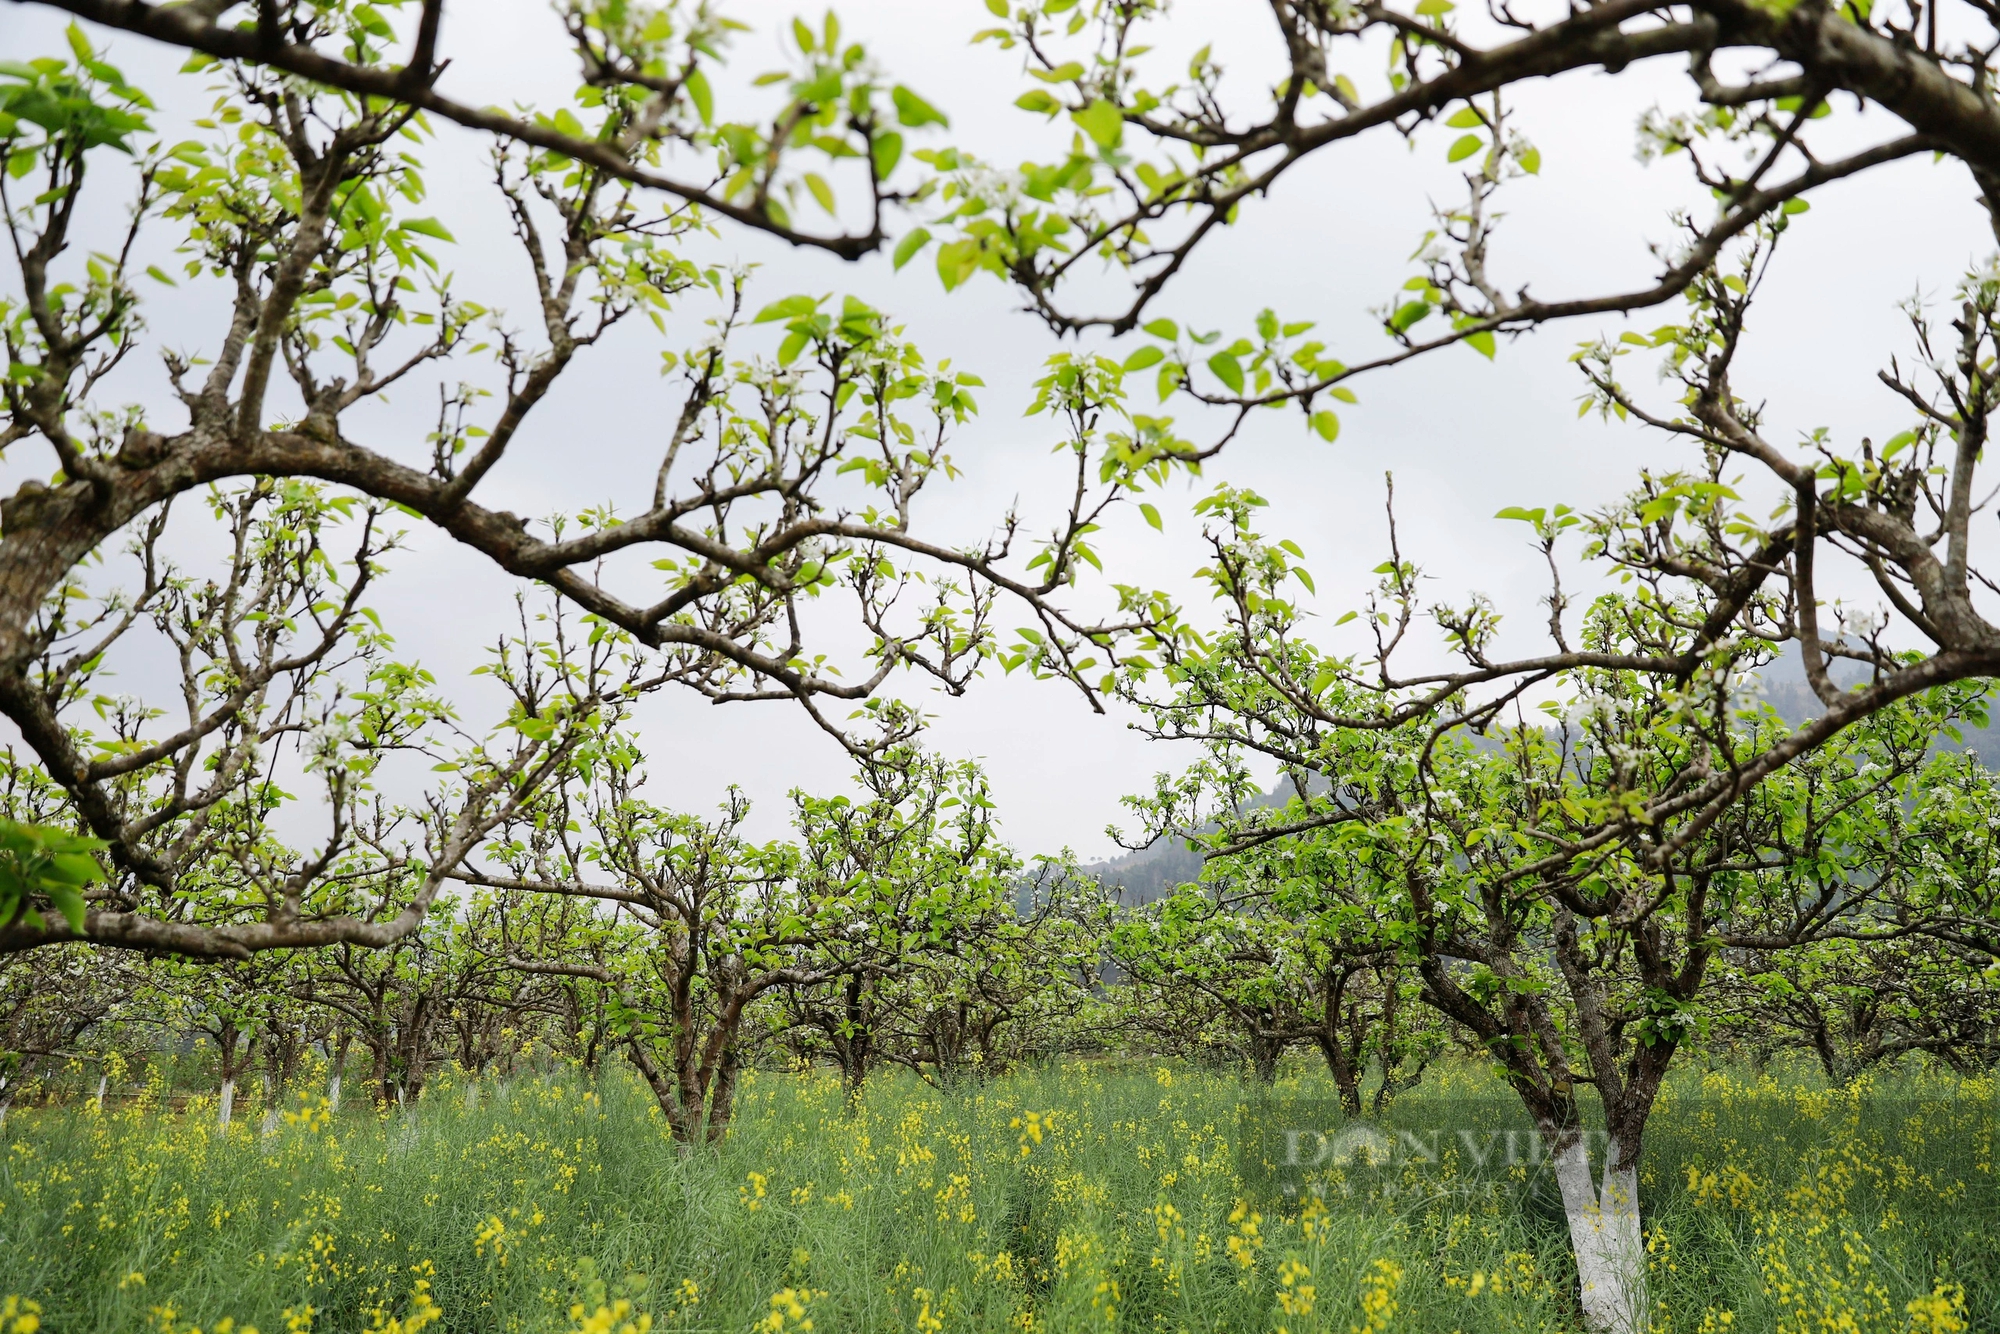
pixel 1072 1198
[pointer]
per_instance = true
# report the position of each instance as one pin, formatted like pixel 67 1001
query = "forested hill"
pixel 1141 877
pixel 1784 686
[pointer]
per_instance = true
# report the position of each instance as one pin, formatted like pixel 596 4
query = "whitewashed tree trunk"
pixel 227 1105
pixel 333 1093
pixel 102 1080
pixel 1604 1231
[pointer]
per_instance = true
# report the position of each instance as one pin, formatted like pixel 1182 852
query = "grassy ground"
pixel 1079 1198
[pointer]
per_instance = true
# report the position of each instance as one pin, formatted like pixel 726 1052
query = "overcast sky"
pixel 1463 436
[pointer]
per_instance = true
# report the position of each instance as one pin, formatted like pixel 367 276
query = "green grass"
pixel 915 1210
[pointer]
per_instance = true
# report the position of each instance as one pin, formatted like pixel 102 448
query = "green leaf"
pixel 788 309
pixel 1482 343
pixel 822 193
pixel 997 8
pixel 1228 370
pixel 1466 119
pixel 1793 206
pixel 1152 515
pixel 913 111
pixel 907 248
pixel 1465 147
pixel 1144 357
pixel 957 261
pixel 1407 318
pixel 1040 101
pixel 1327 424
pixel 70 904
pixel 886 152
pixel 1102 122
pixel 702 96
pixel 1530 159
pixel 1166 329
pixel 429 227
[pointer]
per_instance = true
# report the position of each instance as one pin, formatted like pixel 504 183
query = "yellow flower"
pixel 788 1311
pixel 1246 1241
pixel 612 1319
pixel 1942 1312
pixel 18 1315
pixel 492 1233
pixel 1378 1297
pixel 1295 1295
pixel 926 1322
pixel 1033 1126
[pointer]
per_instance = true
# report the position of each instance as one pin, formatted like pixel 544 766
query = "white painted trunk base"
pixel 227 1105
pixel 1604 1231
pixel 333 1094
pixel 102 1080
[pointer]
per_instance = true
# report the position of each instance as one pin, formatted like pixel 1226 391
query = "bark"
pixel 1340 1064
pixel 722 1101
pixel 1342 1050
pixel 1604 1232
pixel 228 1040
pixel 1264 1054
pixel 378 1049
pixel 340 1046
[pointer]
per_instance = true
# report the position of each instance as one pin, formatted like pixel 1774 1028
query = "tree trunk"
pixel 11 1083
pixel 339 1064
pixel 1604 1231
pixel 1346 1078
pixel 1341 1050
pixel 225 1041
pixel 663 1088
pixel 853 1036
pixel 722 1097
pixel 385 1091
pixel 1264 1054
